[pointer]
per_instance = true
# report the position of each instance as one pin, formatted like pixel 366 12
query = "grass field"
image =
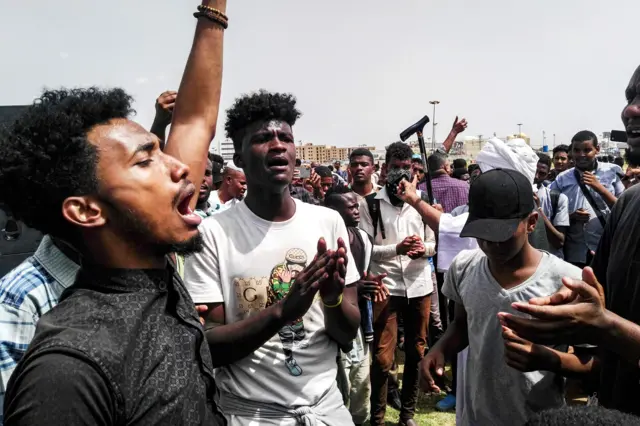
pixel 426 412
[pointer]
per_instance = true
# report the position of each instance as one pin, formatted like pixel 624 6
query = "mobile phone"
pixel 618 136
pixel 305 172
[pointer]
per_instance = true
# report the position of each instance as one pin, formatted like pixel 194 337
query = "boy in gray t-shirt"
pixel 485 282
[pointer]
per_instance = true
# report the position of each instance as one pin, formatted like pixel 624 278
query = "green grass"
pixel 426 412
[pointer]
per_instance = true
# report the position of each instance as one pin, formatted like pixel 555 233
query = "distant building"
pixel 324 153
pixel 226 150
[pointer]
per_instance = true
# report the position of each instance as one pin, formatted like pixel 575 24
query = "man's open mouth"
pixel 188 215
pixel 279 162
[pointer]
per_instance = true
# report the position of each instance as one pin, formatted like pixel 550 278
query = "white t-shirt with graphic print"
pixel 248 263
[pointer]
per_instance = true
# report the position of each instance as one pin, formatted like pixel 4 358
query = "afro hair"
pixel 45 156
pixel 583 416
pixel 398 150
pixel 259 106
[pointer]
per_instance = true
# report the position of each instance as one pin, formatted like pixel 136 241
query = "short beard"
pixel 135 228
pixel 632 157
pixel 189 247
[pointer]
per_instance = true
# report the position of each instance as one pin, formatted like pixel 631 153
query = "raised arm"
pixel 196 112
pixel 457 128
pixel 430 215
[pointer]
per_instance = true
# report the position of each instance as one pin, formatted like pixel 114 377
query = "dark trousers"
pixel 442 300
pixel 415 313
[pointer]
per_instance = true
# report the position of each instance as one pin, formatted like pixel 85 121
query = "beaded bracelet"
pixel 205 8
pixel 338 303
pixel 213 15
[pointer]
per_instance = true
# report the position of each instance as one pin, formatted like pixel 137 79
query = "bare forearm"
pixel 430 215
pixel 572 365
pixel 448 143
pixel 196 112
pixel 622 337
pixel 454 340
pixel 607 196
pixel 556 238
pixel 343 321
pixel 159 129
pixel 233 342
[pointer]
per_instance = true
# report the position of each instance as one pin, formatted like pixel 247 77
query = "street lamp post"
pixel 433 126
pixel 519 129
pixel 554 140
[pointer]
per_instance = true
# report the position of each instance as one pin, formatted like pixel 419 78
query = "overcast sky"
pixel 362 70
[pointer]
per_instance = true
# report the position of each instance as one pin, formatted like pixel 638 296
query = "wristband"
pixel 337 303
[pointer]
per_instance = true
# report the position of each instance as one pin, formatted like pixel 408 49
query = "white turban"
pixel 516 155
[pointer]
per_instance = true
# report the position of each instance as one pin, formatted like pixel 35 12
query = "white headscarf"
pixel 516 155
pixel 513 155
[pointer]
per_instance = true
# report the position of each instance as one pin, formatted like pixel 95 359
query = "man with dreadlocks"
pixel 276 277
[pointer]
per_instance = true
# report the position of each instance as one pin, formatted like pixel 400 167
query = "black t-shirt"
pixel 617 267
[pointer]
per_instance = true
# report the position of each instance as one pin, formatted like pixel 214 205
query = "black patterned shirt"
pixel 123 347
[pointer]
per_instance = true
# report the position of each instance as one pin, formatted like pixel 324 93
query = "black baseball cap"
pixel 498 201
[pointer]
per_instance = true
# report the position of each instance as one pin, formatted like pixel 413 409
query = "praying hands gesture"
pixel 312 279
pixel 332 284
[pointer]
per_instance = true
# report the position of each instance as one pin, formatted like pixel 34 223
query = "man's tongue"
pixel 192 219
pixel 189 217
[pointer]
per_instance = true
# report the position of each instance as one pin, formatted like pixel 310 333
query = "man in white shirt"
pixel 232 189
pixel 276 277
pixel 402 245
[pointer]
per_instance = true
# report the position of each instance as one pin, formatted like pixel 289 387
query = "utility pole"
pixel 554 140
pixel 544 138
pixel 433 126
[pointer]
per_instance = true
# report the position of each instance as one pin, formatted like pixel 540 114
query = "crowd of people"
pixel 172 287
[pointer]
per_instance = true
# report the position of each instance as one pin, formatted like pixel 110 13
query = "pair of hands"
pixel 411 246
pixel 574 315
pixel 325 274
pixel 372 287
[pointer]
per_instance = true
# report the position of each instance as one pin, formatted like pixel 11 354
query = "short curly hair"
pixel 582 416
pixel 45 156
pixel 259 106
pixel 334 195
pixel 398 150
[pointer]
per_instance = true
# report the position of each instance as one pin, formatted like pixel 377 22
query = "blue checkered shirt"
pixel 26 293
